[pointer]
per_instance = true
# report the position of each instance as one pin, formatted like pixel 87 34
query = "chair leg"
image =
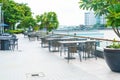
pixel 85 55
pixel 80 57
pixel 17 46
pixel 68 56
pixel 95 55
pixel 12 47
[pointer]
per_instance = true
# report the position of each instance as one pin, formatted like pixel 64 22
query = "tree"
pixel 27 22
pixel 49 21
pixel 27 19
pixel 109 8
pixel 14 12
pixel 26 10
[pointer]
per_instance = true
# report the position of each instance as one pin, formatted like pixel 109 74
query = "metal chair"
pixel 72 49
pixel 25 34
pixel 44 42
pixel 55 45
pixel 13 43
pixel 89 50
pixel 66 45
pixel 31 37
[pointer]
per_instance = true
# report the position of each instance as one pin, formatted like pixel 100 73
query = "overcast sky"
pixel 68 11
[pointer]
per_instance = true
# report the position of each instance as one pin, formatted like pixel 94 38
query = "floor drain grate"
pixel 34 74
pixel 40 74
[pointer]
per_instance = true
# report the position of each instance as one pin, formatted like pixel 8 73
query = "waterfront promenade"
pixel 31 62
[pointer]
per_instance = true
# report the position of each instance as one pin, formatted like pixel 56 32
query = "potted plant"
pixel 112 56
pixel 111 9
pixel 112 52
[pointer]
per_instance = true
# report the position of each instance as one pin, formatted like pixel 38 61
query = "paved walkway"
pixel 31 62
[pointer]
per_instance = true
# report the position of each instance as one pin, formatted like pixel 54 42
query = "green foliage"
pixel 113 18
pixel 26 10
pixel 109 8
pixel 99 6
pixel 15 31
pixel 19 12
pixel 38 18
pixel 115 44
pixel 14 12
pixel 48 20
pixel 36 28
pixel 27 22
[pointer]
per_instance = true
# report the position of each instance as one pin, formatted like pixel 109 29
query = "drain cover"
pixel 40 74
pixel 34 74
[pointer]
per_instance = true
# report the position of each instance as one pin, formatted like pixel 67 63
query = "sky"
pixel 68 11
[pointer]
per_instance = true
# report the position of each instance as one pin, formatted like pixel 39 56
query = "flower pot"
pixel 112 57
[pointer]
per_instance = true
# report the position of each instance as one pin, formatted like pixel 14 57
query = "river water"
pixel 104 34
pixel 109 34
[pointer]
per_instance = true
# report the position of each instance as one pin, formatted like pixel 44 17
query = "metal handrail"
pixel 90 38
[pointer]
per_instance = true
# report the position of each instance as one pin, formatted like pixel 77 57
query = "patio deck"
pixel 31 62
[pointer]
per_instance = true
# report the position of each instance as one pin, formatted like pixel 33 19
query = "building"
pixel 91 19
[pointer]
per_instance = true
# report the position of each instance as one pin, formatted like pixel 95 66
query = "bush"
pixel 14 31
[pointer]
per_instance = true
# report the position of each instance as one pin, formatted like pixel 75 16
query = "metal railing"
pixel 101 41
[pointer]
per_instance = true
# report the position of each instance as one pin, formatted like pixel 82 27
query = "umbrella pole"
pixel 3 29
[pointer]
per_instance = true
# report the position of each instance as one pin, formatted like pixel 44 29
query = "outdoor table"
pixel 50 41
pixel 71 42
pixel 4 41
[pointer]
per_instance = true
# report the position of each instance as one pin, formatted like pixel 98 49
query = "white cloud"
pixel 67 10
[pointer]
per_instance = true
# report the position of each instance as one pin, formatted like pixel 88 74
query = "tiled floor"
pixel 32 59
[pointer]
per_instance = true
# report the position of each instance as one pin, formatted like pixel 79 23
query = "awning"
pixel 4 24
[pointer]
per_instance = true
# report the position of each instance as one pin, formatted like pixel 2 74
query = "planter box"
pixel 112 57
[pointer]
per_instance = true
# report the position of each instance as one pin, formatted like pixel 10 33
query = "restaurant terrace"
pixel 31 61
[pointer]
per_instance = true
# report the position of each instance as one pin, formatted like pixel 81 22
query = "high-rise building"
pixel 91 19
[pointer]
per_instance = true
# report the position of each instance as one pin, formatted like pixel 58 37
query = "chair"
pixel 38 37
pixel 13 43
pixel 73 48
pixel 66 45
pixel 80 48
pixel 55 45
pixel 44 42
pixel 89 50
pixel 31 37
pixel 25 34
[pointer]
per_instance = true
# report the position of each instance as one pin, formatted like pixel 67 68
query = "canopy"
pixel 2 24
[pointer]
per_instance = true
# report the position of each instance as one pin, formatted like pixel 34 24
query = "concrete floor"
pixel 31 60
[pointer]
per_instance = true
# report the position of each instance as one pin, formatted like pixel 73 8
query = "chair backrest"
pixel 14 36
pixel 90 46
pixel 43 40
pixel 72 48
pixel 14 41
pixel 55 43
